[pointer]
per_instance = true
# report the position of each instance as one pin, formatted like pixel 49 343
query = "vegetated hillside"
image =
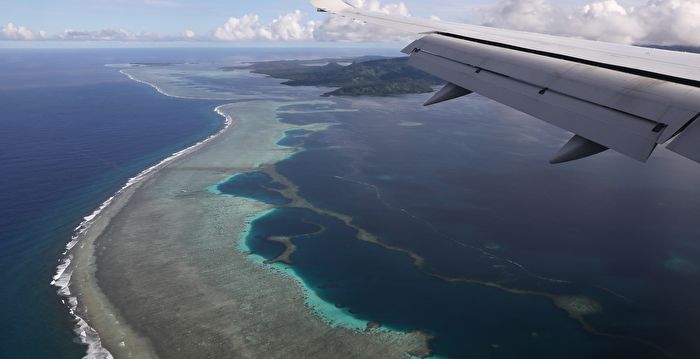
pixel 378 77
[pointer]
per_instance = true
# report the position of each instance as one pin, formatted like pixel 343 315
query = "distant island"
pixel 362 76
pixel 678 48
pixel 365 76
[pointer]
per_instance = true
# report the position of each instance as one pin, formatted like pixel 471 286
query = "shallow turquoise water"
pixel 471 192
pixel 255 185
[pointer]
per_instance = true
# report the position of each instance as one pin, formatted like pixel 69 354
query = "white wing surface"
pixel 626 98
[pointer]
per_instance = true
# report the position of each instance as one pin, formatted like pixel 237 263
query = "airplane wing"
pixel 610 96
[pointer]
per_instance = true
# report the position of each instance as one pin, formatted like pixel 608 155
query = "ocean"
pixel 522 259
pixel 483 245
pixel 72 132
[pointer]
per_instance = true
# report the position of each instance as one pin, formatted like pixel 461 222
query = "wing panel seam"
pixel 543 89
pixel 629 70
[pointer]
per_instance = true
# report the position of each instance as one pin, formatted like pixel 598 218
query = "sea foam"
pixel 155 87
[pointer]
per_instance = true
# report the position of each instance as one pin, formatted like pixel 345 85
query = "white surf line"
pixel 62 278
pixel 207 94
pixel 444 235
pixel 608 290
pixel 377 193
pixel 154 86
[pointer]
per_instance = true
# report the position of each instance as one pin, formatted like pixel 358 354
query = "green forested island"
pixel 367 76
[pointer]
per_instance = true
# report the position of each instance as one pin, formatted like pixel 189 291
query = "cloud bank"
pixel 336 28
pixel 661 22
pixel 107 35
pixel 289 27
pixel 15 32
pixel 292 27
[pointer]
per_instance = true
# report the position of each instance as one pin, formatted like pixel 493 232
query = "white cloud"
pixel 529 15
pixel 111 35
pixel 21 33
pixel 292 27
pixel 336 28
pixel 245 28
pixel 662 22
pixel 671 21
pixel 287 27
pixel 189 34
pixel 18 32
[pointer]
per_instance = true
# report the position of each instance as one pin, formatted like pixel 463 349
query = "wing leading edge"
pixel 625 98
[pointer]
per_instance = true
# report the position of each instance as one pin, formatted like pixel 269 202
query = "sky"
pixel 663 22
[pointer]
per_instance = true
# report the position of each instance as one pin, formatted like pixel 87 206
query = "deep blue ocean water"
pixel 255 185
pixel 71 133
pixel 470 190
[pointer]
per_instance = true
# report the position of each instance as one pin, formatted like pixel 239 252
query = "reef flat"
pixel 367 227
pixel 170 279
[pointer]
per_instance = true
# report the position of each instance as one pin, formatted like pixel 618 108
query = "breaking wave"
pixel 62 278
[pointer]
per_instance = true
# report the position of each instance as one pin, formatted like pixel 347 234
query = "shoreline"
pixel 155 87
pixel 74 254
pixel 94 241
pixel 90 305
pixel 96 312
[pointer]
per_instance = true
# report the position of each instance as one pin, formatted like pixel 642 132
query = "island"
pixel 364 76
